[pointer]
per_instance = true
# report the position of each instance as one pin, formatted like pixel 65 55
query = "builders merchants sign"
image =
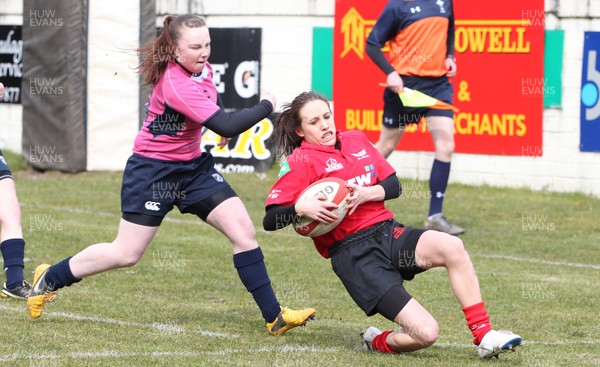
pixel 499 86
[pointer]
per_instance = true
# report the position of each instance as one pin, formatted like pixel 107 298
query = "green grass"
pixel 536 254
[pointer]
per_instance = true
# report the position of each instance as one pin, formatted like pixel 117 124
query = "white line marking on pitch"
pixel 116 354
pixel 154 325
pixel 545 262
pixel 284 349
pixel 525 342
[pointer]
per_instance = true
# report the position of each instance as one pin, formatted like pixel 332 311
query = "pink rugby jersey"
pixel 179 105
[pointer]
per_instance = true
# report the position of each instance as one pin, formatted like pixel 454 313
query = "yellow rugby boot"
pixel 289 319
pixel 40 293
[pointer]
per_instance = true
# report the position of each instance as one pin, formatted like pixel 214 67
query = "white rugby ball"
pixel 335 190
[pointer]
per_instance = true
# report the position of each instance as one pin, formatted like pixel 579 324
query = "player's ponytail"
pixel 289 120
pixel 285 132
pixel 155 55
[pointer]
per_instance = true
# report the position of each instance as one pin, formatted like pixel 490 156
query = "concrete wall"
pixel 286 71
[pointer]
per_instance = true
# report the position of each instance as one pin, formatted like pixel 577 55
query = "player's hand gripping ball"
pixel 336 191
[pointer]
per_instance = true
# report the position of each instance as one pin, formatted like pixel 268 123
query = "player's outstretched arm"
pixel 232 124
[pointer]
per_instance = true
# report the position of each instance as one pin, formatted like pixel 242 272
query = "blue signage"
pixel 590 94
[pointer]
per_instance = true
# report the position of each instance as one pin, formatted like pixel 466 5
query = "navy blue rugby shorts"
pixel 395 114
pixel 152 187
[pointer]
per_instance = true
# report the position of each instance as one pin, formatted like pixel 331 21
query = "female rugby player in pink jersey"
pixel 168 169
pixel 370 252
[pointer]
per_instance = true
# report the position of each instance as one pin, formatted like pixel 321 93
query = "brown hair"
pixel 154 56
pixel 289 120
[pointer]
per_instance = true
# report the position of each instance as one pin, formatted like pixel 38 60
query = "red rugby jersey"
pixel 357 162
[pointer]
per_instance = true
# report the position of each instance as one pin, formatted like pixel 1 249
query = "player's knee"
pixel 455 250
pixel 456 243
pixel 427 335
pixel 127 262
pixel 245 238
pixel 127 259
pixel 424 331
pixel 445 148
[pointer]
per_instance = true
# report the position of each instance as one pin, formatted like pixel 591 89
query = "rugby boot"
pixel 40 293
pixel 289 319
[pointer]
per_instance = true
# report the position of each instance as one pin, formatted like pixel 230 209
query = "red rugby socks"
pixel 379 344
pixel 478 321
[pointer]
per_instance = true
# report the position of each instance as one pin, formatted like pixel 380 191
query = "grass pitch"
pixel 536 255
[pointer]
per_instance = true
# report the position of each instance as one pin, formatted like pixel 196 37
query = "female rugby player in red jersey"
pixel 370 252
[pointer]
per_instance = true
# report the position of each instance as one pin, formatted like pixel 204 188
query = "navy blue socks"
pixel 253 273
pixel 13 252
pixel 59 275
pixel 438 181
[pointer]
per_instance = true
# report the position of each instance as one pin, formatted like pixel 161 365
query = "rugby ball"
pixel 336 191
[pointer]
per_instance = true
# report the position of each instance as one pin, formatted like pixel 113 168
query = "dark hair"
pixel 289 120
pixel 154 56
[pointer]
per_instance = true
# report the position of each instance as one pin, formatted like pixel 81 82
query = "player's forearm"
pixel 391 187
pixel 278 217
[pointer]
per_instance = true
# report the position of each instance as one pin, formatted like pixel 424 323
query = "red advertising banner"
pixel 498 88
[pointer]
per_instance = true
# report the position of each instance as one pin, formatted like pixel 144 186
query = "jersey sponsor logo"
pixel 361 155
pixel 333 165
pixel 152 205
pixel 274 194
pixel 365 178
pixel 362 180
pixel 218 177
pixel 285 168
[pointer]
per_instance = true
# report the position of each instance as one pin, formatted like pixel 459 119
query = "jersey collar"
pixel 189 73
